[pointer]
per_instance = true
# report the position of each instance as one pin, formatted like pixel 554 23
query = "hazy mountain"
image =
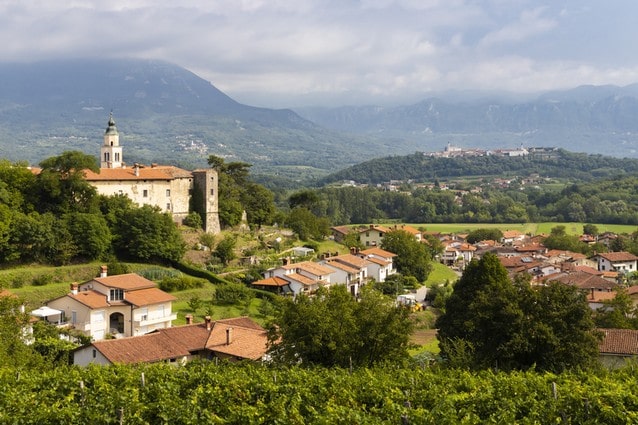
pixel 593 119
pixel 164 113
pixel 167 114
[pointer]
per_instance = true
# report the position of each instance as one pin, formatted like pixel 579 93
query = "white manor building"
pixel 167 187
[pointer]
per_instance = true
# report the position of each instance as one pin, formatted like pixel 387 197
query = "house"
pixel 229 339
pixel 348 269
pixel 303 277
pixel 275 284
pixel 381 263
pixel 121 305
pixel 167 187
pixel 618 347
pixel 586 281
pixel 339 233
pixel 622 262
pixel 372 235
pixel 511 236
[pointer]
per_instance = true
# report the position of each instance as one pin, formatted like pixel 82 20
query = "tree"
pixel 225 249
pixel 484 234
pixel 491 322
pixel 618 313
pixel 590 229
pixel 145 233
pixel 334 329
pixel 306 225
pixel 62 186
pixel 413 258
pixel 90 234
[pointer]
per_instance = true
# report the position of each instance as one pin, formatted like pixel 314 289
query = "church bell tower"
pixel 111 151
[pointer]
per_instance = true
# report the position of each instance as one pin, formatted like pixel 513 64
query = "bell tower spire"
pixel 111 151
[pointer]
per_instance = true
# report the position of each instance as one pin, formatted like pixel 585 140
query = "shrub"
pixel 193 220
pixel 180 283
pixel 232 293
pixel 42 280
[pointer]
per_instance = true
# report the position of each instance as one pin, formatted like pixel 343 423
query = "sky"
pixel 291 53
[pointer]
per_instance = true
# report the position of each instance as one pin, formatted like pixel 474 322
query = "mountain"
pixel 592 119
pixel 164 113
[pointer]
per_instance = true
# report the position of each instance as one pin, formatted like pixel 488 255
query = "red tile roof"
pixel 148 296
pixel 309 267
pixel 160 172
pixel 272 281
pixel 247 340
pixel 127 281
pixel 91 299
pixel 619 342
pixel 618 256
pixel 233 339
pixel 378 252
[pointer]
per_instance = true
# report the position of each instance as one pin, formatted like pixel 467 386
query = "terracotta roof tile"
pixel 619 341
pixel 378 252
pixel 272 281
pixel 163 172
pixel 149 348
pixel 302 279
pixel 125 281
pixel 244 342
pixel 90 298
pixel 310 267
pixel 148 296
pixel 618 256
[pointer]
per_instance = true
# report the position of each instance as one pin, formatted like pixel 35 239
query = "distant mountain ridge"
pixel 167 114
pixel 592 119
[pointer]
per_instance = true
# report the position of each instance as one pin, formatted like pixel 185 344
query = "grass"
pixel 440 274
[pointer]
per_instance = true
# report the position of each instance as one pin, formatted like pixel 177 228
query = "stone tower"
pixel 205 199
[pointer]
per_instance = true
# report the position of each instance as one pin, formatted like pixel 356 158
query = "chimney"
pixel 189 319
pixel 74 288
pixel 136 170
pixel 103 271
pixel 229 336
pixel 372 226
pixel 209 324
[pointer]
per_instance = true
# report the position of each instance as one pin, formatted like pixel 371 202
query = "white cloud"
pixel 280 52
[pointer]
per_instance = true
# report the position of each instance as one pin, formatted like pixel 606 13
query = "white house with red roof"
pixel 348 269
pixel 303 277
pixel 623 262
pixel 167 187
pixel 229 339
pixel 381 263
pixel 121 306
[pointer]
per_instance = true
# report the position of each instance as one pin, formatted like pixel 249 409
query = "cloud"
pixel 283 53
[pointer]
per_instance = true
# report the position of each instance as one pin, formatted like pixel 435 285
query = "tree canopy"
pixel 334 329
pixel 413 258
pixel 490 321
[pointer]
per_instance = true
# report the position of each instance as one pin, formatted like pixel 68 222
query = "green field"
pixel 527 228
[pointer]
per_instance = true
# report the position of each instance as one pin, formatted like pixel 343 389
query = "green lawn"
pixel 440 274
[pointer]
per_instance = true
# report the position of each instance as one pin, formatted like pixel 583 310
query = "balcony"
pixel 148 321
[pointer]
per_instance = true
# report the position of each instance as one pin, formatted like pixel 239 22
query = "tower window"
pixel 111 143
pixel 117 156
pixel 168 207
pixel 106 157
pixel 212 192
pixel 145 193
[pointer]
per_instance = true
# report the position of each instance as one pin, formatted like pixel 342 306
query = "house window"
pixel 94 353
pixel 74 317
pixel 106 157
pixel 168 206
pixel 117 156
pixel 116 294
pixel 145 193
pixel 168 193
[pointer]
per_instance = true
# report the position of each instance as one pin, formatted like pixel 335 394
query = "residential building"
pixel 381 263
pixel 229 339
pixel 121 306
pixel 348 269
pixel 618 347
pixel 622 262
pixel 303 277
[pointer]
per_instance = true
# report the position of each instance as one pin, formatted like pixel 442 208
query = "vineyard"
pixel 209 393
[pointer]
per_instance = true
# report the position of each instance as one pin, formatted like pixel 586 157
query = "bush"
pixel 193 220
pixel 232 293
pixel 42 280
pixel 180 283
